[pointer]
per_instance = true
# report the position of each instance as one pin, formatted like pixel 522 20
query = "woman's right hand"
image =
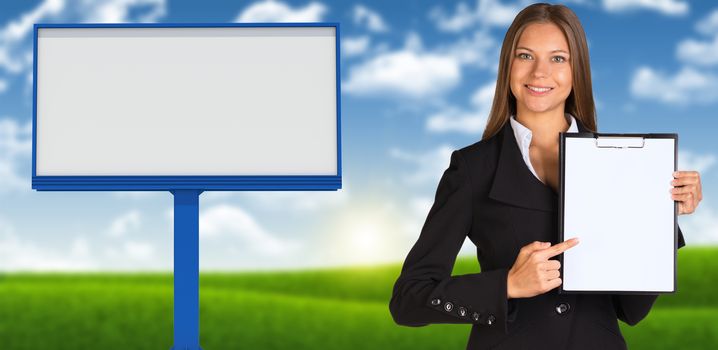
pixel 533 273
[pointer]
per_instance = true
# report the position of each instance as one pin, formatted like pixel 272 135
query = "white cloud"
pixel 487 13
pixel 3 86
pixel 470 121
pixel 687 86
pixel 17 29
pixel 365 16
pixel 125 223
pixel 484 96
pixel 229 221
pixel 410 72
pixel 703 53
pixel 354 46
pixel 478 50
pixel 21 254
pixel 428 166
pixel 417 72
pixel 18 254
pixel 462 18
pixel 7 62
pixel 457 120
pixel 696 81
pixel 118 11
pixel 15 152
pixel 695 162
pixel 24 251
pixel 277 11
pixel 709 24
pixel 667 7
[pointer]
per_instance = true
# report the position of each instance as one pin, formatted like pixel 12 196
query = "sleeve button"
pixel 436 302
pixel 448 306
pixel 475 316
pixel 462 311
pixel 491 320
pixel 562 308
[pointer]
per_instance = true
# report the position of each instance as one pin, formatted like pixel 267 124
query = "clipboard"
pixel 614 196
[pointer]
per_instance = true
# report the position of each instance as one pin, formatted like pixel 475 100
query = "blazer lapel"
pixel 514 183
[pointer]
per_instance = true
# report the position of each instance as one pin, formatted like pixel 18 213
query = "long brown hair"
pixel 580 101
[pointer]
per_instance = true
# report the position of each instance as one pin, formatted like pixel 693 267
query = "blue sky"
pixel 417 81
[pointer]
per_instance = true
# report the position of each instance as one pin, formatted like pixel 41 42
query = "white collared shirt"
pixel 523 139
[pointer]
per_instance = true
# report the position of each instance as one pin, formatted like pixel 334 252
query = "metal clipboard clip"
pixel 620 142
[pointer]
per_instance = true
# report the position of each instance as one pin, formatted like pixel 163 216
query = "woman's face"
pixel 541 72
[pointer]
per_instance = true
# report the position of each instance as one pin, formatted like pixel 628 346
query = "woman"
pixel 501 192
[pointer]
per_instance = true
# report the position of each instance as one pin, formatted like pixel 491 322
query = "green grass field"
pixel 318 309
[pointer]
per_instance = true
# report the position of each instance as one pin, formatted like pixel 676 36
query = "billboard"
pixel 162 107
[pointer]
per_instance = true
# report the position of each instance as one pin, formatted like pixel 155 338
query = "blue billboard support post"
pixel 186 269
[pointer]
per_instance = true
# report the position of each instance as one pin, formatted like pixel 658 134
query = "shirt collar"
pixel 523 134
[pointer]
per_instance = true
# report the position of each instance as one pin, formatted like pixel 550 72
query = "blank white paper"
pixel 617 202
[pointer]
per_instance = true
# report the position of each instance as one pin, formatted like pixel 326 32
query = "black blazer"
pixel 489 194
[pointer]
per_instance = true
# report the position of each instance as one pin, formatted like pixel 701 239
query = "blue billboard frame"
pixel 204 183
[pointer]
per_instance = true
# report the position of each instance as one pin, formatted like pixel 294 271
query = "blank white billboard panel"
pixel 187 101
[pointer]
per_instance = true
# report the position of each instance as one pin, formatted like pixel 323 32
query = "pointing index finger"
pixel 559 248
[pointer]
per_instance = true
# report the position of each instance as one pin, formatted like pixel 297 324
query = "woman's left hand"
pixel 686 191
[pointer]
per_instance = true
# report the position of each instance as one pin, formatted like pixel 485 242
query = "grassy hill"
pixel 315 309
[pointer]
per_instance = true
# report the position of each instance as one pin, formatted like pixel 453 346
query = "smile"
pixel 538 90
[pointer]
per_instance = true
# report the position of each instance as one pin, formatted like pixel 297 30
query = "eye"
pixel 558 59
pixel 524 56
